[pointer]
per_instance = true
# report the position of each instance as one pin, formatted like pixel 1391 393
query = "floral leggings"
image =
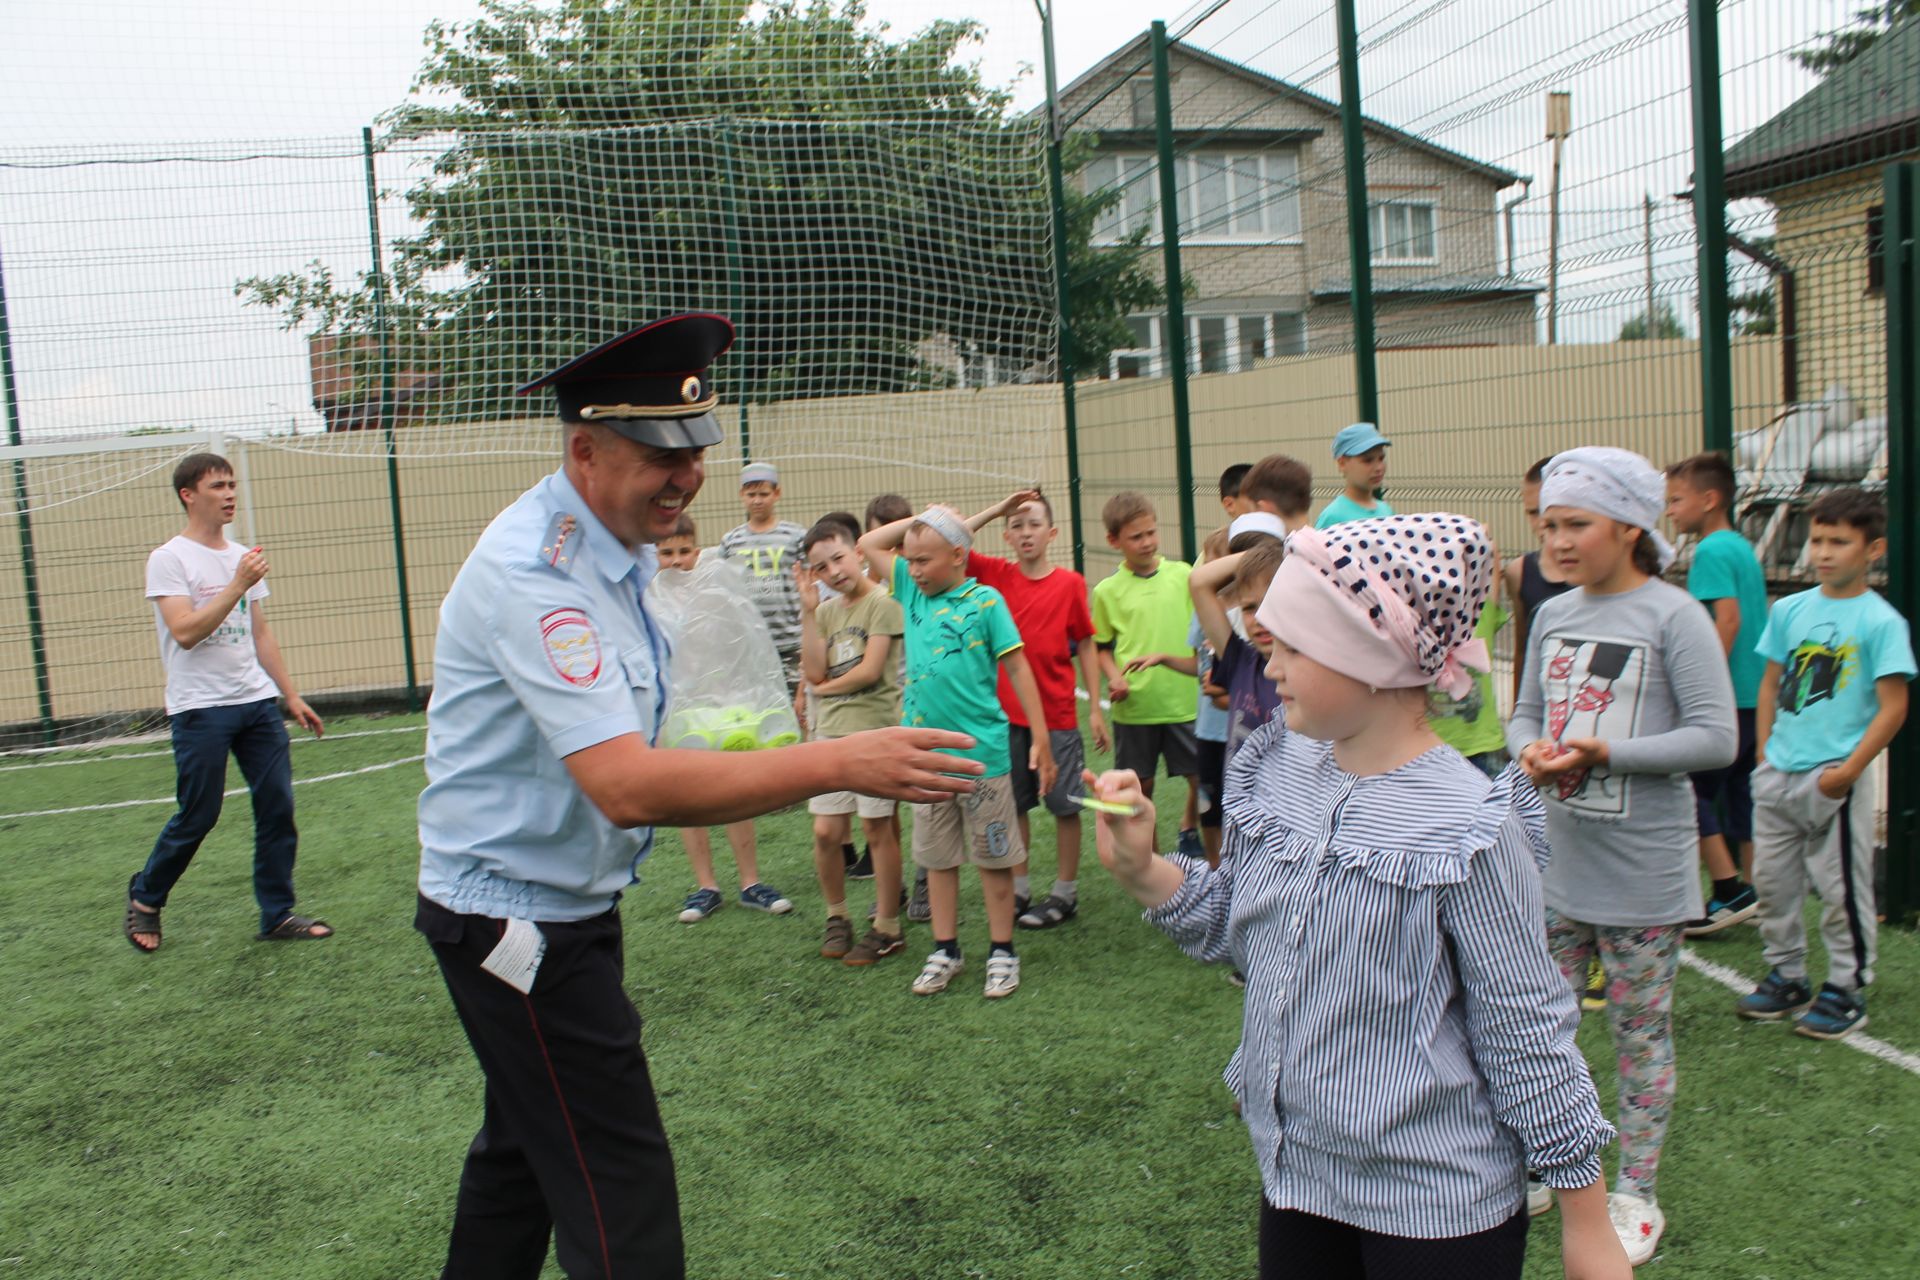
pixel 1640 964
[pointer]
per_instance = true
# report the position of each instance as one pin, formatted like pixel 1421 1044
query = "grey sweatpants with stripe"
pixel 1803 840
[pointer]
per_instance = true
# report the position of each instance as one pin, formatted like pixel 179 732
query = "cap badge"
pixel 690 390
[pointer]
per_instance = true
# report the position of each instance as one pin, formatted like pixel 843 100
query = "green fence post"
pixel 379 283
pixel 1710 226
pixel 1366 379
pixel 1176 301
pixel 1901 256
pixel 29 566
pixel 1062 283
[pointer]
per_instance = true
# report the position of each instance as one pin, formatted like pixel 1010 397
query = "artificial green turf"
pixel 232 1108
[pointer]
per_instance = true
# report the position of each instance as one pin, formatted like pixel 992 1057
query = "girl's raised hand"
pixel 1125 844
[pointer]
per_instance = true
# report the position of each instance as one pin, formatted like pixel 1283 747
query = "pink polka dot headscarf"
pixel 1391 601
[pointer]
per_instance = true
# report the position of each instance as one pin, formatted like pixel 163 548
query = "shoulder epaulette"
pixel 557 546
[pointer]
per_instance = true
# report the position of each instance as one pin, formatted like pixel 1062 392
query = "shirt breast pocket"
pixel 646 684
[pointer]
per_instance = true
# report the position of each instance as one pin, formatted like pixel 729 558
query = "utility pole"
pixel 1559 125
pixel 1646 215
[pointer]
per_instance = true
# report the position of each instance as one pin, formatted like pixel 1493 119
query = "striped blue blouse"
pixel 1407 1049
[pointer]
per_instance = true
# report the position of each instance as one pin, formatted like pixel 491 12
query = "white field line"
pixel 237 791
pixel 154 755
pixel 1740 985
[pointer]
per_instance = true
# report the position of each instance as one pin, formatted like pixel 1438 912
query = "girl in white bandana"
pixel 1625 692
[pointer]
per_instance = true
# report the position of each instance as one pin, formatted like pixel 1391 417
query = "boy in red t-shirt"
pixel 1049 607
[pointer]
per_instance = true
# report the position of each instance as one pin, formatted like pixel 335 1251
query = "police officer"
pixel 543 791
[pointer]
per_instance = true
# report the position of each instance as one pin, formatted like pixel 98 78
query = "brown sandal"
pixel 139 921
pixel 295 929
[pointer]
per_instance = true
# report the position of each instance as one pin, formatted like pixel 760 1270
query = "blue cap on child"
pixel 1355 440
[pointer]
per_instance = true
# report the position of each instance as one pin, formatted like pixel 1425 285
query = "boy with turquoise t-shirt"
pixel 1724 576
pixel 1360 451
pixel 959 633
pixel 1834 693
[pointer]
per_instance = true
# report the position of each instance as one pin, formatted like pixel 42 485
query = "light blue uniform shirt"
pixel 543 650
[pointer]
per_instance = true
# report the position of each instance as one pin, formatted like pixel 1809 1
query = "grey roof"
pixel 1861 114
pixel 1136 47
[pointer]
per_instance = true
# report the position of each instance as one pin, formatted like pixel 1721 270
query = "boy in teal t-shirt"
pixel 958 635
pixel 1360 451
pixel 1833 695
pixel 1725 576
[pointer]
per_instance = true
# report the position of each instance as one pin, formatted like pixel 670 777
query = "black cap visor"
pixel 699 432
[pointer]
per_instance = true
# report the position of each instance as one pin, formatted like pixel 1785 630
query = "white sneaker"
pixel 940 970
pixel 1539 1198
pixel 1639 1224
pixel 1003 975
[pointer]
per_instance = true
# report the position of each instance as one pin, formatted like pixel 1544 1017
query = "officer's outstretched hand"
pixel 907 764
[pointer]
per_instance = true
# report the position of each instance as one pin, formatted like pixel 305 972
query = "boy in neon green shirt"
pixel 1142 609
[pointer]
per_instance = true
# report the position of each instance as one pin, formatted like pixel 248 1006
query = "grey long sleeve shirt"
pixel 1642 670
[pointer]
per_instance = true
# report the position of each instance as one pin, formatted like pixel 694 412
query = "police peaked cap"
pixel 650 384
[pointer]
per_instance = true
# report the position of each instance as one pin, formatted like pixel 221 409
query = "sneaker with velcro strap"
pixel 700 904
pixel 875 946
pixel 764 897
pixel 939 971
pixel 1003 975
pixel 1835 1013
pixel 838 940
pixel 1777 997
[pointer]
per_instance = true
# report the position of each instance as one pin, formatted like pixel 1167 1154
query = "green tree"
pixel 846 198
pixel 1836 49
pixel 1665 325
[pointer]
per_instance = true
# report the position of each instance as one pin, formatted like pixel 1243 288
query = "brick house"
pixel 1818 163
pixel 1263 215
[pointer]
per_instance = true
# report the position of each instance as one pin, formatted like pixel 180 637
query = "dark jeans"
pixel 571 1147
pixel 254 734
pixel 1299 1244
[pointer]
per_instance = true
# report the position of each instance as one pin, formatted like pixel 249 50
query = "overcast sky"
pixel 119 274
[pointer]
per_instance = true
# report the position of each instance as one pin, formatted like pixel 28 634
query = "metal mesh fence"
pixel 1528 202
pixel 347 317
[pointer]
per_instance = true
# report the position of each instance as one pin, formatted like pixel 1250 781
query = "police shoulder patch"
pixel 572 646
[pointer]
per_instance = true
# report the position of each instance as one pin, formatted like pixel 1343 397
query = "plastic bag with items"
pixel 726 691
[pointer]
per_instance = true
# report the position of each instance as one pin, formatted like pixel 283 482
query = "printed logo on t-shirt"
pixel 764 562
pixel 1818 668
pixel 1594 687
pixel 845 650
pixel 236 627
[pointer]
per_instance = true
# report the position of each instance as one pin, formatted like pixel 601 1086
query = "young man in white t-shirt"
pixel 223 669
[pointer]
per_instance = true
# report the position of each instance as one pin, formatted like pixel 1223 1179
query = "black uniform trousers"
pixel 572 1145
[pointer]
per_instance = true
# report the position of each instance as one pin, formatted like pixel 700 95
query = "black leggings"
pixel 1300 1246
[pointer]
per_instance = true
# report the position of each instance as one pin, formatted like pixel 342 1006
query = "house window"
pixel 1402 232
pixel 1228 196
pixel 1224 196
pixel 1134 176
pixel 1142 359
pixel 1215 343
pixel 1876 248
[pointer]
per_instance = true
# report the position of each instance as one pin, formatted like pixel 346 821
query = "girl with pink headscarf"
pixel 1407 1050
